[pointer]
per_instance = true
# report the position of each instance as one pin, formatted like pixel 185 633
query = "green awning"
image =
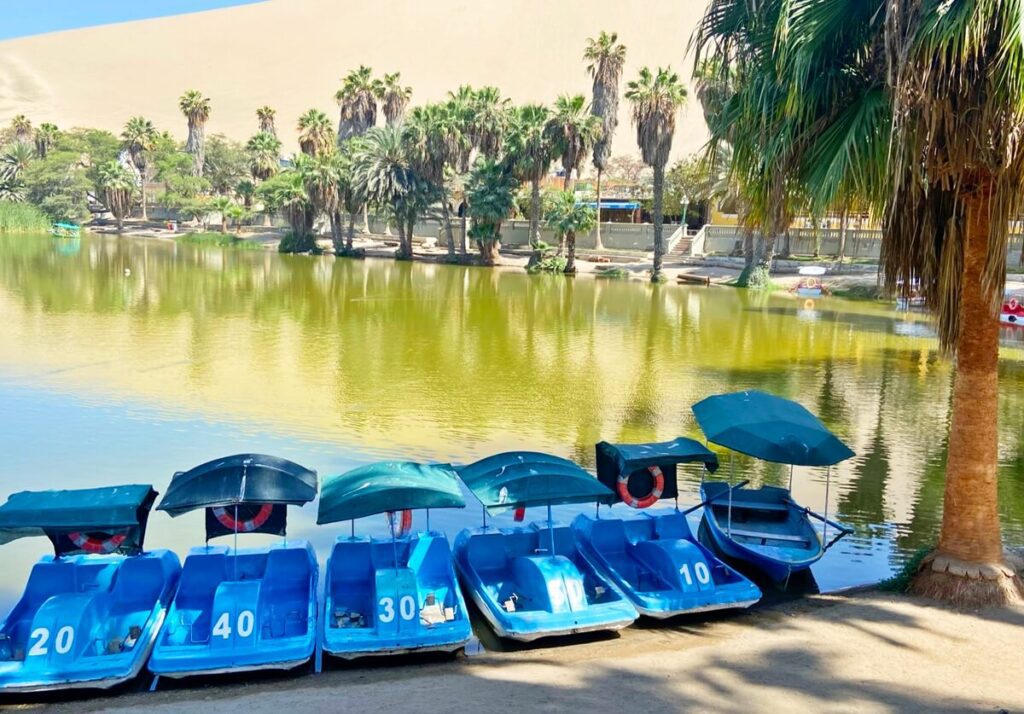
pixel 526 478
pixel 388 486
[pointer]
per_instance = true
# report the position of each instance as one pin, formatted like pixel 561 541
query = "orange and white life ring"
pixel 810 284
pixel 1013 304
pixel 400 525
pixel 226 517
pixel 97 546
pixel 651 498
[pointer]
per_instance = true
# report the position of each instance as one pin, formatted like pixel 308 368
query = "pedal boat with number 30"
pixel 653 557
pixel 91 612
pixel 399 594
pixel 534 582
pixel 243 609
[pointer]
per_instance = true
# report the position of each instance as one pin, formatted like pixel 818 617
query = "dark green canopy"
pixel 388 486
pixel 526 478
pixel 634 460
pixel 50 513
pixel 239 479
pixel 770 428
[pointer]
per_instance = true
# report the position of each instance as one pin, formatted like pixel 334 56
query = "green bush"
pixel 292 243
pixel 548 264
pixel 22 218
pixel 756 278
pixel 618 273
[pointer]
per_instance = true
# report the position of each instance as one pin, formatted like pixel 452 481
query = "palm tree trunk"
pixel 145 215
pixel 223 222
pixel 366 218
pixel 598 245
pixel 843 223
pixel 567 181
pixel 570 262
pixel 336 237
pixel 659 240
pixel 446 216
pixel 351 231
pixel 535 214
pixel 464 238
pixel 967 566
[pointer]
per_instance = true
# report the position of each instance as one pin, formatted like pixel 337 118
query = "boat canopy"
pixel 239 479
pixel 614 460
pixel 517 479
pixel 71 518
pixel 388 486
pixel 770 428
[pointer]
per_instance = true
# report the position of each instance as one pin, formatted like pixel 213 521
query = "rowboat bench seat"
pixel 751 505
pixel 764 535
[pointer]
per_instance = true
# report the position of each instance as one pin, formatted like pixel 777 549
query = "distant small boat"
pixel 654 558
pixel 394 595
pixel 91 612
pixel 65 230
pixel 810 284
pixel 764 526
pixel 535 582
pixel 1012 312
pixel 247 609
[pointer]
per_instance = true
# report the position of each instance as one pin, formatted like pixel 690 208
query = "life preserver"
pixel 651 498
pixel 808 304
pixel 519 515
pixel 99 546
pixel 226 517
pixel 1013 304
pixel 404 525
pixel 810 283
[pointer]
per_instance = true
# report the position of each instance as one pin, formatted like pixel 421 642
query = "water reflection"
pixel 126 360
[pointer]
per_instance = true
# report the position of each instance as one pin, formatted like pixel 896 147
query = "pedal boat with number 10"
pixel 91 612
pixel 242 609
pixel 654 557
pixel 386 596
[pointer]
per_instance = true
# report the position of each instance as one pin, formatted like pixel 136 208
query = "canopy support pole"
pixel 732 473
pixel 790 478
pixel 352 532
pixel 824 528
pixel 551 530
pixel 428 520
pixel 235 559
pixel 484 510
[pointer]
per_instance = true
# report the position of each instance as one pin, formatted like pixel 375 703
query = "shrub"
pixel 757 277
pixel 548 264
pixel 617 273
pixel 292 243
pixel 22 218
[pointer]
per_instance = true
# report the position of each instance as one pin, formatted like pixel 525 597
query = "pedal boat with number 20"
pixel 386 596
pixel 654 557
pixel 242 609
pixel 91 612
pixel 534 582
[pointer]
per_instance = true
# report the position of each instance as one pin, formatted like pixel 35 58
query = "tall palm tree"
pixel 394 98
pixel 605 56
pixel 656 98
pixel 573 131
pixel 138 138
pixel 264 151
pixel 196 109
pixel 316 135
pixel 490 191
pixel 46 137
pixel 567 217
pixel 117 186
pixel 246 190
pixel 22 127
pixel 531 153
pixel 490 116
pixel 319 174
pixel 357 100
pixel 266 115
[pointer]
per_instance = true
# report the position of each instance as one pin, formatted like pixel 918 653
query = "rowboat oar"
pixel 724 493
pixel 842 530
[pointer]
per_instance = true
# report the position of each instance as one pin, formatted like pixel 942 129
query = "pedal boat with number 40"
pixel 398 594
pixel 653 557
pixel 245 609
pixel 91 612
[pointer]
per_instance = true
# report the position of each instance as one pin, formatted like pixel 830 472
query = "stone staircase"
pixel 681 250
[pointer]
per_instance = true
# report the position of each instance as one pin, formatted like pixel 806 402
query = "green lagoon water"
pixel 124 361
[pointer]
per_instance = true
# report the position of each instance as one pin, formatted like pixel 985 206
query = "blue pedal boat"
pixel 243 609
pixel 764 526
pixel 534 582
pixel 91 612
pixel 386 596
pixel 654 558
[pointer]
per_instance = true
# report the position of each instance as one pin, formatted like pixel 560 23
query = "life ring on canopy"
pixel 226 517
pixel 810 284
pixel 404 522
pixel 1013 304
pixel 98 546
pixel 651 498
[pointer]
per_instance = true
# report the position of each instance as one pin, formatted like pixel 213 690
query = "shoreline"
pixel 862 650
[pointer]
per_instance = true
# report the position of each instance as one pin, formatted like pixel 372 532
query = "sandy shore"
pixel 864 652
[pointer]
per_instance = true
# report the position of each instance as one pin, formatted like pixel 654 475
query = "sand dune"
pixel 291 54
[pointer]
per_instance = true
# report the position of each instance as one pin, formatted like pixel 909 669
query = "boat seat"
pixel 764 535
pixel 723 502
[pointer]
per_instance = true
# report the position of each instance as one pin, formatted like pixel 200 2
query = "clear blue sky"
pixel 32 18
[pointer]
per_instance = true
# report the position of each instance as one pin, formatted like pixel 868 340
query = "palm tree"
pixel 656 99
pixel 573 130
pixel 117 185
pixel 490 115
pixel 319 174
pixel 196 109
pixel 138 138
pixel 357 100
pixel 246 190
pixel 46 137
pixel 490 192
pixel 17 157
pixel 394 98
pixel 222 205
pixel 606 57
pixel 22 128
pixel 264 151
pixel 316 135
pixel 266 115
pixel 566 217
pixel 531 152
pixel 286 192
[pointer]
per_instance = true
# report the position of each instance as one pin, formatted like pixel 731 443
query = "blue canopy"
pixel 770 428
pixel 239 479
pixel 91 510
pixel 526 478
pixel 388 486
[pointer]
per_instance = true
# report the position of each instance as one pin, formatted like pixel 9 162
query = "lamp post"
pixel 685 202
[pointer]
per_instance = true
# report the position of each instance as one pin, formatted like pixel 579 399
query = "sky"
pixel 21 18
